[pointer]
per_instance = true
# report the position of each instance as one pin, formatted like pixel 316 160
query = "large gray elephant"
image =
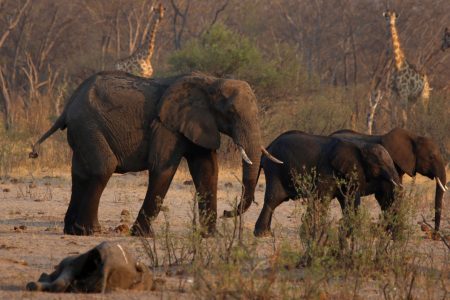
pixel 331 159
pixel 411 154
pixel 117 122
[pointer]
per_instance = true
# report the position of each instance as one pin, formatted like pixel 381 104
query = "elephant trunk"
pixel 59 285
pixel 249 143
pixel 441 180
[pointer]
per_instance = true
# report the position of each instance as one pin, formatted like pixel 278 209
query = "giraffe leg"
pixel 404 104
pixel 404 121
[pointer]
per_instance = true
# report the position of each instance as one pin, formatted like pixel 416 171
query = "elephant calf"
pixel 331 158
pixel 411 154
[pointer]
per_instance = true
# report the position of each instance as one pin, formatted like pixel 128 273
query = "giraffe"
pixel 445 40
pixel 139 62
pixel 407 82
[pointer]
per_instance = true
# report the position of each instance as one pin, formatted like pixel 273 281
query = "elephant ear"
pixel 186 108
pixel 400 145
pixel 346 159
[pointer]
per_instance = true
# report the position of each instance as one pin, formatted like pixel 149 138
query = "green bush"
pixel 222 52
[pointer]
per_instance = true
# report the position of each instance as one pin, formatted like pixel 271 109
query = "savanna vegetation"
pixel 314 66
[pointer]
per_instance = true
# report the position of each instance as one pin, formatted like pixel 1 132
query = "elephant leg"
pixel 75 199
pixel 346 211
pixel 386 197
pixel 82 214
pixel 274 196
pixel 87 219
pixel 343 202
pixel 166 151
pixel 92 166
pixel 158 185
pixel 204 171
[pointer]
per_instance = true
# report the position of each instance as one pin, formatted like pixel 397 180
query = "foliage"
pixel 222 52
pixel 324 258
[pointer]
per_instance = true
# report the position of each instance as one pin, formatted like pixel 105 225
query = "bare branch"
pixel 183 15
pixel 51 38
pixel 374 99
pixel 218 12
pixel 13 23
pixel 7 99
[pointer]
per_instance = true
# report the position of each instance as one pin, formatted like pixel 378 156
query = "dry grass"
pixel 298 261
pixel 233 264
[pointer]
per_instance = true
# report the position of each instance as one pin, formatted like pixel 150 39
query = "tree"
pixel 224 53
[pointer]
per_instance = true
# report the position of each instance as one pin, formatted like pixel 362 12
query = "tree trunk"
pixel 7 101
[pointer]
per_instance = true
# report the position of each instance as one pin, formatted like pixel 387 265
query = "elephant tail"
pixel 59 124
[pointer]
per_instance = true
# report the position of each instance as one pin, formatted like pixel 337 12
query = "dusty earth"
pixel 32 209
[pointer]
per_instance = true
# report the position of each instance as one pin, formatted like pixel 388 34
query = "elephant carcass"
pixel 108 266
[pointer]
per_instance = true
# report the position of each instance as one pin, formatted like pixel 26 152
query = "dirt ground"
pixel 32 209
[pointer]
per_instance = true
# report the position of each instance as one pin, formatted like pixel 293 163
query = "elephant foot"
pixel 207 233
pixel 230 214
pixel 77 229
pixel 33 286
pixel 142 231
pixel 262 232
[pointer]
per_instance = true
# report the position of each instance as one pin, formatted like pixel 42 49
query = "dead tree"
pixel 178 30
pixel 13 21
pixel 218 12
pixel 7 100
pixel 52 37
pixel 374 100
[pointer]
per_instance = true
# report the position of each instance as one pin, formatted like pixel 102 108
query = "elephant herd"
pixel 118 123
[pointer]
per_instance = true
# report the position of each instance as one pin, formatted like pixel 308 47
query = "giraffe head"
pixel 445 40
pixel 390 16
pixel 159 10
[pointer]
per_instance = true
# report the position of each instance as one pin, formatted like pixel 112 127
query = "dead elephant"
pixel 108 266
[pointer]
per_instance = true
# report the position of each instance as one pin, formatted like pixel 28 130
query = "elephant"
pixel 411 154
pixel 331 159
pixel 118 123
pixel 106 267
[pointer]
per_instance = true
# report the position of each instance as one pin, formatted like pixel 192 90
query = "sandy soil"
pixel 31 222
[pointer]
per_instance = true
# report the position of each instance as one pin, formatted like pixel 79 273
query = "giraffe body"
pixel 407 82
pixel 410 85
pixel 139 63
pixel 136 65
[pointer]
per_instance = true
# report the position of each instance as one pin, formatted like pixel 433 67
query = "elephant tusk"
pixel 443 188
pixel 394 183
pixel 244 155
pixel 270 156
pixel 123 253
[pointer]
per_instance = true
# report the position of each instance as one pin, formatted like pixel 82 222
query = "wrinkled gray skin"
pixel 117 122
pixel 411 154
pixel 107 267
pixel 330 158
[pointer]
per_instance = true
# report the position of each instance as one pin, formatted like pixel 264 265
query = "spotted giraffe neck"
pixel 399 56
pixel 149 44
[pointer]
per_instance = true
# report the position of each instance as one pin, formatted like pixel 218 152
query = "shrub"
pixel 222 52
